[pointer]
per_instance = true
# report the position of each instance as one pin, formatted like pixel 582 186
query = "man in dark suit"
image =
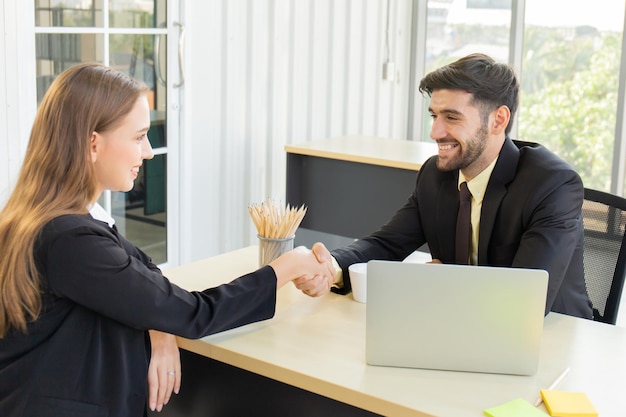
pixel 525 201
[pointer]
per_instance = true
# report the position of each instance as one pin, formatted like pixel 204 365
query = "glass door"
pixel 131 36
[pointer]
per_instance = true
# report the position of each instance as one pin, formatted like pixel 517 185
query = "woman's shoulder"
pixel 68 222
pixel 69 231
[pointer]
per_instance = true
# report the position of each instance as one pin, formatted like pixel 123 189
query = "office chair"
pixel 604 218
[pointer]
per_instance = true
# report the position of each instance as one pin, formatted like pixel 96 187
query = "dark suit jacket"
pixel 88 352
pixel 531 217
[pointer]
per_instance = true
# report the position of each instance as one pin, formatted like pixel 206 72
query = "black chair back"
pixel 604 218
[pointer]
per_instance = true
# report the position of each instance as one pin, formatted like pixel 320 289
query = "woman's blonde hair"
pixel 57 176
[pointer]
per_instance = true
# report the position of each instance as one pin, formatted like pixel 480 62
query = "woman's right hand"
pixel 303 264
pixel 318 286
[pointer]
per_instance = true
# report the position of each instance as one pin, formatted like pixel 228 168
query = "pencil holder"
pixel 272 248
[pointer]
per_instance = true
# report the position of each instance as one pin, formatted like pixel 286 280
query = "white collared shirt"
pixel 99 213
pixel 477 186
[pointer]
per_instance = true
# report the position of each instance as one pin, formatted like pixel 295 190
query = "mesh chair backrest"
pixel 604 218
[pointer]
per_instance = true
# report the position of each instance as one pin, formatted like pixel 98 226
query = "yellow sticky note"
pixel 568 404
pixel 515 408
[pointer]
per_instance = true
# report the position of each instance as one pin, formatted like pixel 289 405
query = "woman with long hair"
pixel 82 310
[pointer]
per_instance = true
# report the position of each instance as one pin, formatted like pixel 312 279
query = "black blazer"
pixel 531 217
pixel 88 352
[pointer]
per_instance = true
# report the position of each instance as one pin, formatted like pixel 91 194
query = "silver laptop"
pixel 455 317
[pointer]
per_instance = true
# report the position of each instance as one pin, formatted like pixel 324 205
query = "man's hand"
pixel 317 285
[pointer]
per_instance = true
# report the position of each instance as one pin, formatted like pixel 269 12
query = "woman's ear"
pixel 94 144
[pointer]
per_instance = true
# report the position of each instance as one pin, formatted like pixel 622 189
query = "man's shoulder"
pixel 537 156
pixel 542 171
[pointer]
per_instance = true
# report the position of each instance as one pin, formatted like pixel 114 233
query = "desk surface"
pixel 393 153
pixel 318 344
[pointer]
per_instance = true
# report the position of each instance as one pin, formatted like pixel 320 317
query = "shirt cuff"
pixel 338 282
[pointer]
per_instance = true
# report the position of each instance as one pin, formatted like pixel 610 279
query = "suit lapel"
pixel 503 173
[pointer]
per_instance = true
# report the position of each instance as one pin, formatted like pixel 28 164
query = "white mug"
pixel 358 279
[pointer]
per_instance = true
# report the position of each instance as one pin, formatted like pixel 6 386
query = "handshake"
pixel 311 270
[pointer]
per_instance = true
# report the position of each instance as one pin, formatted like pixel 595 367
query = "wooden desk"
pixel 352 185
pixel 318 345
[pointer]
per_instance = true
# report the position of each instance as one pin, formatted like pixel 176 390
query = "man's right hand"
pixel 316 286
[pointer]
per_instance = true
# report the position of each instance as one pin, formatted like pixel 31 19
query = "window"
pixel 128 35
pixel 456 29
pixel 570 82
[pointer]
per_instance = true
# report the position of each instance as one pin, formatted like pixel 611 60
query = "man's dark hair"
pixel 491 84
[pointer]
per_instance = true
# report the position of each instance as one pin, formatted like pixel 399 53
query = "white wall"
pixel 17 88
pixel 265 73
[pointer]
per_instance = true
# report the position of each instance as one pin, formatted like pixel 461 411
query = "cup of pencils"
pixel 276 226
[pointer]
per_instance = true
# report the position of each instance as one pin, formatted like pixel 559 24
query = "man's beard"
pixel 470 153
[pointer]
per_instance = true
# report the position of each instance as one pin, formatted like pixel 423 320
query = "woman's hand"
pixel 305 265
pixel 164 371
pixel 320 284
